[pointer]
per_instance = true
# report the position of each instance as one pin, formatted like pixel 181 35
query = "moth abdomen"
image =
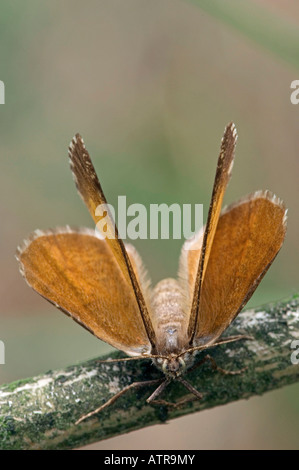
pixel 170 316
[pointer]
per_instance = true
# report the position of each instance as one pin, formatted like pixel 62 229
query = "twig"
pixel 40 412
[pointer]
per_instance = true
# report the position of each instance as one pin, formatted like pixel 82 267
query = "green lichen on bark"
pixel 40 412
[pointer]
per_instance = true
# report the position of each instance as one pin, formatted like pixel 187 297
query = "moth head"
pixel 172 366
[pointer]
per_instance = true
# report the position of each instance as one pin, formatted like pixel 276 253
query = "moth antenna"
pixel 227 340
pixel 116 396
pixel 135 358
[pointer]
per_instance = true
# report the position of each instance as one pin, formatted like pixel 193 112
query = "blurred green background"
pixel 150 85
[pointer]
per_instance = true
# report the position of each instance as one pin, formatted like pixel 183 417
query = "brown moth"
pixel 102 284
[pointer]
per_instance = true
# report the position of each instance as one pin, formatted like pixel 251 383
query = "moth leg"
pixel 191 388
pixel 219 369
pixel 158 391
pixel 196 395
pixel 177 404
pixel 118 395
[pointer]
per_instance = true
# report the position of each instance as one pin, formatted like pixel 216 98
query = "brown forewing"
pixel 223 172
pixel 248 237
pixel 92 194
pixel 77 272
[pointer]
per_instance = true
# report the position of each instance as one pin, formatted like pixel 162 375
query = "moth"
pixel 103 285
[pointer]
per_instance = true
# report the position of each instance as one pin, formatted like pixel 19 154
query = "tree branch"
pixel 40 412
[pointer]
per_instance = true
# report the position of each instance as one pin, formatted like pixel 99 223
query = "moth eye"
pixel 165 365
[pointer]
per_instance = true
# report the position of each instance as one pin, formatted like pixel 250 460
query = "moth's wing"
pixel 77 272
pixel 188 265
pixel 248 237
pixel 223 173
pixel 141 272
pixel 92 194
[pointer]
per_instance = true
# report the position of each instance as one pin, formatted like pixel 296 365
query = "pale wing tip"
pixel 76 140
pixel 228 142
pixel 27 242
pixel 285 217
pixel 232 130
pixel 56 231
pixel 44 233
pixel 228 146
pixel 270 196
pixel 75 144
pixel 261 194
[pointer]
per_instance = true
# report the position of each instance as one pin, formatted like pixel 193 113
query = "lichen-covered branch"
pixel 40 412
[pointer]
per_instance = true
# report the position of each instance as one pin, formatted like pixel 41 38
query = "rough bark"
pixel 40 412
